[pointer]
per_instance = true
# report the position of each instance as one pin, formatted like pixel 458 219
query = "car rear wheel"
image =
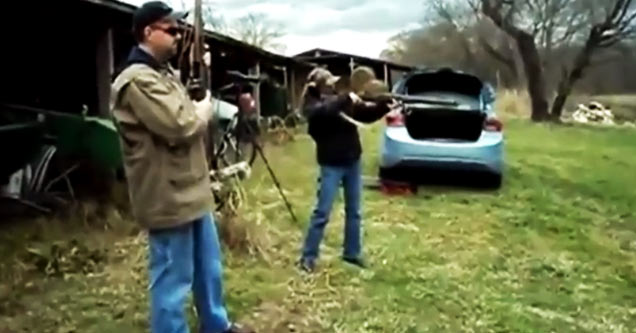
pixel 395 174
pixel 494 181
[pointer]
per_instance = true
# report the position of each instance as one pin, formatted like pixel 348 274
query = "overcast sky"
pixel 359 27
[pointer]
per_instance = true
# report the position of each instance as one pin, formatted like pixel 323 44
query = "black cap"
pixel 152 12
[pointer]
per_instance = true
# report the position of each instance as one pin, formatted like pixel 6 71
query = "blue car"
pixel 448 124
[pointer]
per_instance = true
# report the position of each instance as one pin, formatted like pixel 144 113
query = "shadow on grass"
pixel 447 180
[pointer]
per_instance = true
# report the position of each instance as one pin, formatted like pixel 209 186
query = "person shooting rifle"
pixel 332 119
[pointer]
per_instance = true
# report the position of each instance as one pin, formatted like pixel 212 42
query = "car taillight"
pixel 493 125
pixel 395 119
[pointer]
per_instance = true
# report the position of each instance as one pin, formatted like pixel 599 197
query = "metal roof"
pixel 114 4
pixel 328 54
pixel 130 9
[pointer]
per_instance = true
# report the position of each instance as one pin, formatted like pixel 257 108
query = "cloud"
pixel 353 26
pixel 369 44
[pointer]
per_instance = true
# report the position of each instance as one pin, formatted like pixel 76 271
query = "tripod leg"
pixel 275 179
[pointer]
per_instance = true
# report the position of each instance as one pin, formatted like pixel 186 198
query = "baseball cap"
pixel 154 11
pixel 321 75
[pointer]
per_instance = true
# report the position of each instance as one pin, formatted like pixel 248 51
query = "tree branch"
pixel 497 55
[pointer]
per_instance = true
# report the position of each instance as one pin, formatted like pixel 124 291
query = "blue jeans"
pixel 183 259
pixel 328 185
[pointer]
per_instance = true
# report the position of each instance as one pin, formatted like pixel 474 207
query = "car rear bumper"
pixel 400 151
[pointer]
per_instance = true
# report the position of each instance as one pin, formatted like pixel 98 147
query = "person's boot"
pixel 307 265
pixel 356 261
pixel 235 328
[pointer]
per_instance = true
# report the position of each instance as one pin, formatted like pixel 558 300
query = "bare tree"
pixel 545 24
pixel 501 49
pixel 502 13
pixel 617 26
pixel 474 33
pixel 213 19
pixel 553 23
pixel 254 29
pixel 397 47
pixel 258 30
pixel 460 17
pixel 435 45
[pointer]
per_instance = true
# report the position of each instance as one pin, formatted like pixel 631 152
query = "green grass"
pixel 553 251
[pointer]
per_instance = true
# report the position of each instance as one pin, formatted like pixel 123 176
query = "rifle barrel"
pixel 411 99
pixel 198 36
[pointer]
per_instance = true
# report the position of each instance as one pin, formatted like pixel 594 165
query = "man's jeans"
pixel 329 183
pixel 183 259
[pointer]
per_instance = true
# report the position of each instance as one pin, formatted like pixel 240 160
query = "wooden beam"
pixel 256 70
pixel 285 77
pixel 386 74
pixel 292 79
pixel 105 66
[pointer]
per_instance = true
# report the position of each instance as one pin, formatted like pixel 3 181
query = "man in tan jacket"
pixel 162 138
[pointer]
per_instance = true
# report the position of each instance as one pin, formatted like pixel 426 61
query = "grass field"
pixel 553 251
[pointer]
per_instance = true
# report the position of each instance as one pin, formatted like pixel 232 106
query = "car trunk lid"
pixel 443 105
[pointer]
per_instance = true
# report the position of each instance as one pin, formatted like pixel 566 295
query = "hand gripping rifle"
pixel 369 89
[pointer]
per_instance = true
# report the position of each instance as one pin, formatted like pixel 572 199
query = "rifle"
pixel 374 90
pixel 198 82
pixel 388 97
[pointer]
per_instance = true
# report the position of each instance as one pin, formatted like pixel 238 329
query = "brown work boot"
pixel 235 328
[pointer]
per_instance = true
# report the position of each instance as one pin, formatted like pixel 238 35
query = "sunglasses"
pixel 172 31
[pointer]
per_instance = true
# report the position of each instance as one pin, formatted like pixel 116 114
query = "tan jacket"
pixel 163 146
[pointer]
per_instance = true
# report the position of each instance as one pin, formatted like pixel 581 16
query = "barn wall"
pixel 61 59
pixel 66 61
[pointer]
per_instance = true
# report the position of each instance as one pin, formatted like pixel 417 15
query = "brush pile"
pixel 593 112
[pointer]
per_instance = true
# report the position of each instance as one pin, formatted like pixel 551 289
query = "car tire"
pixel 390 174
pixel 495 181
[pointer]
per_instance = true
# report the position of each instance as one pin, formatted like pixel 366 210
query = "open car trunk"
pixel 443 105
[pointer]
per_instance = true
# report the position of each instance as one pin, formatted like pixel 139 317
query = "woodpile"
pixel 593 112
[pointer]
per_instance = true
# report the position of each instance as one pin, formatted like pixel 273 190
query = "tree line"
pixel 549 47
pixel 256 29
